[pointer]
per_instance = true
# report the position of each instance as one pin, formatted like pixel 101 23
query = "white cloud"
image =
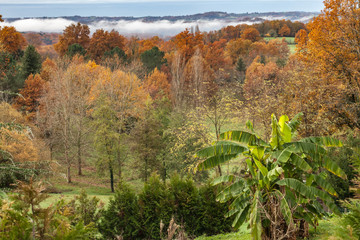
pixel 39 25
pixel 160 28
pixel 86 1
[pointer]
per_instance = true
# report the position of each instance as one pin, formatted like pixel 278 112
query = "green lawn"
pixel 242 234
pixel 290 41
pixel 68 197
pixel 327 229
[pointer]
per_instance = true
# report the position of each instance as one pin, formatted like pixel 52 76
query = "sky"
pixel 139 8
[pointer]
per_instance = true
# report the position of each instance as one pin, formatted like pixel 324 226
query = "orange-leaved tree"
pixel 30 95
pixel 333 46
pixel 72 34
pixel 11 40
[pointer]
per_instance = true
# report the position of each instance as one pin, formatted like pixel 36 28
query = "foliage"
pixel 106 136
pixel 139 217
pixel 352 218
pixel 152 59
pixel 157 205
pixel 72 34
pixel 11 40
pixel 29 100
pixel 278 176
pixel 332 46
pixel 24 218
pixel 122 217
pixel 31 62
pixel 74 49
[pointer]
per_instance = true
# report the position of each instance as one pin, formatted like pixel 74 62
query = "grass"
pixel 328 229
pixel 68 197
pixel 290 41
pixel 242 234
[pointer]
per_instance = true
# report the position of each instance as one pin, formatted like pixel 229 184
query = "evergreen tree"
pixel 75 49
pixel 31 62
pixel 240 65
pixel 152 59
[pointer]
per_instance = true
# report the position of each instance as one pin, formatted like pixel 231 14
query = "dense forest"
pixel 200 134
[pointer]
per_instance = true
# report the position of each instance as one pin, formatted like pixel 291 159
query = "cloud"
pixel 160 28
pixel 39 25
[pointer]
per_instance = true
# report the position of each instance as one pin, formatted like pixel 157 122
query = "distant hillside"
pixel 208 16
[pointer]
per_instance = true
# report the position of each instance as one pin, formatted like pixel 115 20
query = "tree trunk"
pixel 111 177
pixel 146 169
pixel 79 157
pixel 69 174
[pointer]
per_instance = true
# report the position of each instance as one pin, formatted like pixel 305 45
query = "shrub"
pixel 212 219
pixel 122 217
pixel 352 218
pixel 155 204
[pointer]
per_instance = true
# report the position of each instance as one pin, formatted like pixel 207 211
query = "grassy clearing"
pixel 68 197
pixel 242 234
pixel 290 41
pixel 328 229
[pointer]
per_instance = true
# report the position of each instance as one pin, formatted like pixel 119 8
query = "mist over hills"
pixel 150 25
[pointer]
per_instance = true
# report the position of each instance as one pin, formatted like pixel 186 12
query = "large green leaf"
pixel 241 217
pixel 298 187
pixel 324 141
pixel 295 122
pixel 221 148
pixel 240 201
pixel 231 191
pixel 306 147
pixel 216 160
pixel 262 168
pixel 300 163
pixel 285 129
pixel 255 218
pixel 257 152
pixel 223 179
pixel 332 167
pixel 244 138
pixel 325 185
pixel 274 173
pixel 285 210
pixel 275 140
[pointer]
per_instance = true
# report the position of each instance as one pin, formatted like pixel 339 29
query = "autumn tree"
pixel 333 46
pixel 11 40
pixel 147 137
pixel 157 85
pixel 64 109
pixel 72 34
pixel 28 102
pixel 284 31
pixel 251 34
pixel 187 42
pixel 106 136
pixel 236 48
pixel 178 78
pixel 103 41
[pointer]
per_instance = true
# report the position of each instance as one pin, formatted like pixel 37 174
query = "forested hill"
pixel 242 17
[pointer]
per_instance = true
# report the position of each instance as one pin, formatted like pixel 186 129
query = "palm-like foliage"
pixel 284 180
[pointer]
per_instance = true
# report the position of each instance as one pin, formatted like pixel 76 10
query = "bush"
pixel 213 220
pixel 156 205
pixel 122 217
pixel 352 218
pixel 187 204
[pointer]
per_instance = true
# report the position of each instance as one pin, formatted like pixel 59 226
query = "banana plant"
pixel 283 182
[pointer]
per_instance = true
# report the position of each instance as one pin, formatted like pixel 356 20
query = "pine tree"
pixel 31 62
